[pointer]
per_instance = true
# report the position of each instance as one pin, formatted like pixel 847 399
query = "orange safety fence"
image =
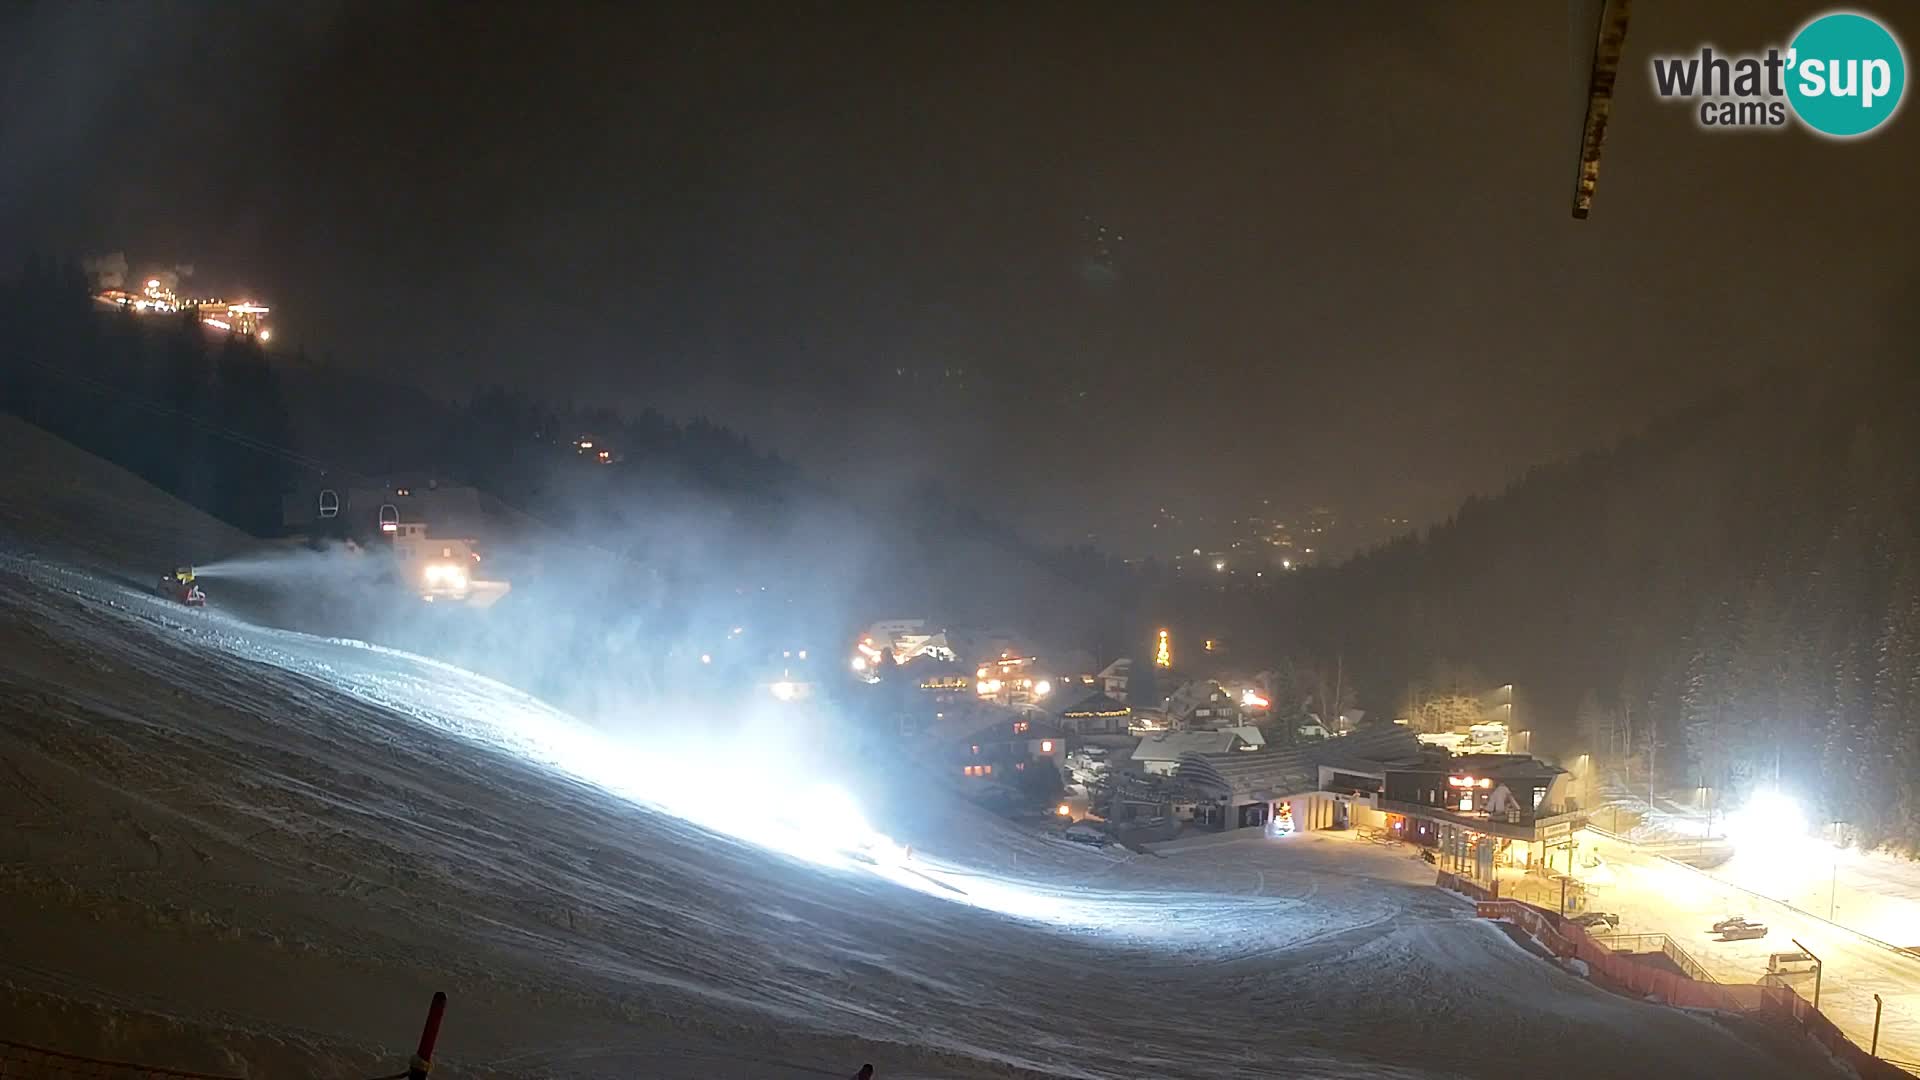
pixel 1769 995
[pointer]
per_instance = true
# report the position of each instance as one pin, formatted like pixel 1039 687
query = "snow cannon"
pixel 180 587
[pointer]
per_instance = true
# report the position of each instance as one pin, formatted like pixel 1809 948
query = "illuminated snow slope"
pixel 348 816
pixel 256 851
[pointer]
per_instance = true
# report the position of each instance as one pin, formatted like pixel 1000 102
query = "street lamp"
pixel 1819 969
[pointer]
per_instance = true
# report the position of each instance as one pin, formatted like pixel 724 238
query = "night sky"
pixel 1083 260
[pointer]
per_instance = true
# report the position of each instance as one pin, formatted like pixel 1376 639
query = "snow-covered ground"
pixel 1656 895
pixel 249 850
pixel 1872 892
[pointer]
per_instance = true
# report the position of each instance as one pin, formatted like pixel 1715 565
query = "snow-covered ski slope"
pixel 247 850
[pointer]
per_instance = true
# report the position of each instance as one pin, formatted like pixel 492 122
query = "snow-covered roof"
pixel 1500 766
pixel 1261 774
pixel 1173 745
pixel 1272 773
pixel 1371 750
pixel 1194 694
pixel 1095 705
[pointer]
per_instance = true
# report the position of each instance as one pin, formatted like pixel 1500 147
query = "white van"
pixel 1790 963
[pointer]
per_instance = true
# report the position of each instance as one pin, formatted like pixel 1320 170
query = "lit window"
pixel 1019 727
pixel 976 750
pixel 986 770
pixel 1020 766
pixel 1046 746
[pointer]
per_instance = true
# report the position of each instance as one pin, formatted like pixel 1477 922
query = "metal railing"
pixel 1660 943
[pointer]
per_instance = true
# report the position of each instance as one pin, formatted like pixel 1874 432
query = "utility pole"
pixel 1626 756
pixel 1874 1050
pixel 1653 748
pixel 1713 802
pixel 1339 673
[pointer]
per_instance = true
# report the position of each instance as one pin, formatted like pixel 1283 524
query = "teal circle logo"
pixel 1845 74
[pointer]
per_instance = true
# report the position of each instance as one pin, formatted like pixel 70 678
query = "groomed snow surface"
pixel 245 850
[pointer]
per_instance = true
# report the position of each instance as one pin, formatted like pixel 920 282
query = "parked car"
pixel 1729 922
pixel 1744 932
pixel 1791 963
pixel 1592 919
pixel 1086 832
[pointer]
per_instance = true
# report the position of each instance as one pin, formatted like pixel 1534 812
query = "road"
pixel 1656 895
